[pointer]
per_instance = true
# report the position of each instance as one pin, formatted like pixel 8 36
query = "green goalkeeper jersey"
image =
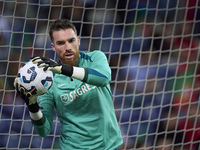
pixel 85 109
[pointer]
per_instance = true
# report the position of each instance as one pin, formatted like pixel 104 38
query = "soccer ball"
pixel 33 79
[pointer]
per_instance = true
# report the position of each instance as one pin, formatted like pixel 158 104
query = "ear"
pixel 53 47
pixel 79 41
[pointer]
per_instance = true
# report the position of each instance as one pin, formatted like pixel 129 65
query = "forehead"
pixel 64 34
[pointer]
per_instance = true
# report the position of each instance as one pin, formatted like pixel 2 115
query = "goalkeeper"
pixel 80 94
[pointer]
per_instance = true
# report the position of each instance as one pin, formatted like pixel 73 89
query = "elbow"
pixel 43 133
pixel 42 127
pixel 104 82
pixel 98 79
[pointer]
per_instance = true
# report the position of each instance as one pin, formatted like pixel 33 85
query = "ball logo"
pixel 33 73
pixel 34 80
pixel 46 81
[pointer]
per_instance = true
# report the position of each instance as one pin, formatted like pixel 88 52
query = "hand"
pixel 28 98
pixel 47 63
pixel 50 64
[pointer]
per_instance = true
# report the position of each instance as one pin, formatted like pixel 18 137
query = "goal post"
pixel 153 50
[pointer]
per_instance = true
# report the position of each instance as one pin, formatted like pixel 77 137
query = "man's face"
pixel 66 45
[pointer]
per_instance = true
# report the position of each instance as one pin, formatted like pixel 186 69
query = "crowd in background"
pixel 152 48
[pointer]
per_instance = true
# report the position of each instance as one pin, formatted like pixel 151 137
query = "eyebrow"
pixel 73 38
pixel 57 42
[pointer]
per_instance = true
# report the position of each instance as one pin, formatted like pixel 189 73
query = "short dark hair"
pixel 61 24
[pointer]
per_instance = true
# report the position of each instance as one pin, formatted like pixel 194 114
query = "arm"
pixel 41 120
pixel 99 72
pixel 43 123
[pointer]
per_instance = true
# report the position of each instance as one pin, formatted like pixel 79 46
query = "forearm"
pixel 41 124
pixel 80 73
pixel 92 76
pixel 98 77
pixel 74 72
pixel 42 120
pixel 37 116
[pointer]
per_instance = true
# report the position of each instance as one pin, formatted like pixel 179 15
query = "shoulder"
pixel 97 53
pixel 91 55
pixel 88 58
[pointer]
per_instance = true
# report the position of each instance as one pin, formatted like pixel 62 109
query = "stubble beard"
pixel 71 62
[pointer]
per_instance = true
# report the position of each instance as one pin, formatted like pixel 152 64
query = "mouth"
pixel 69 56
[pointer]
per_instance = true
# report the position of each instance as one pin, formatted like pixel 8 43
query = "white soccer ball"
pixel 34 79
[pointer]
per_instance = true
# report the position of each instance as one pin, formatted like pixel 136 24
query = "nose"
pixel 67 46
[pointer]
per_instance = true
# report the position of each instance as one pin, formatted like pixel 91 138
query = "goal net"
pixel 152 47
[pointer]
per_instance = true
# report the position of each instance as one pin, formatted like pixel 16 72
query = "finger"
pixel 42 64
pixel 40 58
pixel 15 82
pixel 47 68
pixel 37 60
pixel 17 89
pixel 22 92
pixel 28 95
pixel 34 58
pixel 50 61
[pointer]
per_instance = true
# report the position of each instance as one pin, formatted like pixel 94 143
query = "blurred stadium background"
pixel 153 50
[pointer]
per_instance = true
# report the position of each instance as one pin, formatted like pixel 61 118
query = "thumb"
pixel 15 82
pixel 46 68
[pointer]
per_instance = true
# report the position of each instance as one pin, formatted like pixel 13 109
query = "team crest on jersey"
pixel 65 98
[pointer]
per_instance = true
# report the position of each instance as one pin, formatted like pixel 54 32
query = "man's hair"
pixel 61 24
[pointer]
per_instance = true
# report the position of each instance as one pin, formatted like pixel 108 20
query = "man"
pixel 80 94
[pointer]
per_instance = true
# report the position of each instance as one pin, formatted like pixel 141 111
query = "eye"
pixel 60 42
pixel 72 40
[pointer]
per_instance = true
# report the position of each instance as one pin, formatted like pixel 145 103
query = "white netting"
pixel 153 50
